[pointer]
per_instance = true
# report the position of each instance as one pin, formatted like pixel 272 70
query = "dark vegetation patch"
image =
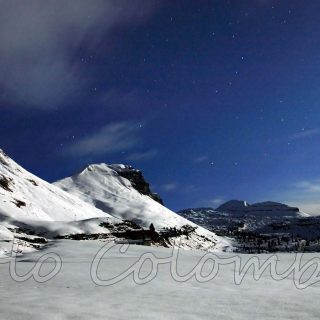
pixel 27 237
pixel 124 225
pixel 22 230
pixel 185 230
pixel 19 203
pixel 33 182
pixel 2 158
pixel 33 240
pixel 128 230
pixel 143 234
pixel 84 236
pixel 3 162
pixel 5 183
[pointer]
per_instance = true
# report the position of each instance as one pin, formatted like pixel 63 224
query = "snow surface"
pixel 73 295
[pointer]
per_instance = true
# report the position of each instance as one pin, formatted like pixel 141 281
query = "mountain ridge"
pixel 243 207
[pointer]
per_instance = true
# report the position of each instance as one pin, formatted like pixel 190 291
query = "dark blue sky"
pixel 213 100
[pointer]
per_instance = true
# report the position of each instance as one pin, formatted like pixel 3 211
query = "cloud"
pixel 311 208
pixel 201 159
pixel 190 188
pixel 306 133
pixel 139 156
pixel 214 202
pixel 115 137
pixel 309 187
pixel 305 195
pixel 169 186
pixel 40 40
pixel 217 201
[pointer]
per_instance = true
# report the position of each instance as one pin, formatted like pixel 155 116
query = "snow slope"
pixel 23 196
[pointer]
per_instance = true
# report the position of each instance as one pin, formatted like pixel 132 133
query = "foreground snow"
pixel 73 295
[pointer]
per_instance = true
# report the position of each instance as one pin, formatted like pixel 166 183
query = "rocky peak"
pixel 137 180
pixel 233 205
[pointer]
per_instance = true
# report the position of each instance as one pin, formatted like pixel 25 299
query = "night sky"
pixel 212 100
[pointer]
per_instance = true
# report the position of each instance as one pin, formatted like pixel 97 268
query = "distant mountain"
pixel 261 226
pixel 267 209
pixel 233 205
pixel 237 210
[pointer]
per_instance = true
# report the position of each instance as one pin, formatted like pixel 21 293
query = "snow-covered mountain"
pixel 114 190
pixel 92 205
pixel 105 187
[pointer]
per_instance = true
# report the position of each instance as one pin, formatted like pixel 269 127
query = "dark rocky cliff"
pixel 138 182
